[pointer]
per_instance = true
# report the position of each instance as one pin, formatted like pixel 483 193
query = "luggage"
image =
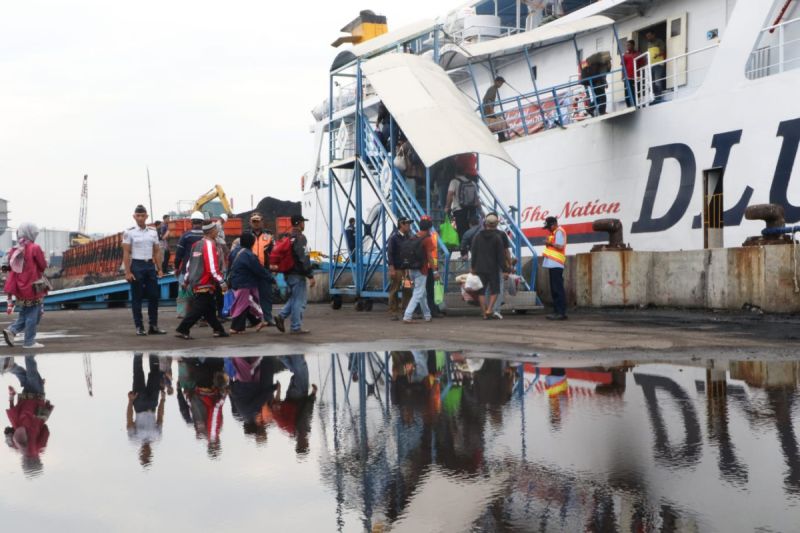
pixel 468 193
pixel 412 252
pixel 282 255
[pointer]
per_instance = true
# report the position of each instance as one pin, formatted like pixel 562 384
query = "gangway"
pixel 100 295
pixel 369 187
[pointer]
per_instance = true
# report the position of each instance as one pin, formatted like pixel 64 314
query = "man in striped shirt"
pixel 204 275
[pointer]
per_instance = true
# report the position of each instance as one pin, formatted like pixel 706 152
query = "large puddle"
pixel 398 441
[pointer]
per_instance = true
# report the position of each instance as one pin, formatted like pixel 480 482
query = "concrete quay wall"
pixel 723 278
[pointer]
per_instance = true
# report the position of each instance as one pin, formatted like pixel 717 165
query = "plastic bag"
pixel 400 162
pixel 438 292
pixel 473 283
pixel 449 234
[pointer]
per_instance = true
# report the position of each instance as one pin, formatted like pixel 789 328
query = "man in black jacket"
pixel 296 280
pixel 397 273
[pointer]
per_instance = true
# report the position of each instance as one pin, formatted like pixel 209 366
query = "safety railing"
pixel 389 184
pixel 477 33
pixel 557 106
pixel 777 50
pixel 673 78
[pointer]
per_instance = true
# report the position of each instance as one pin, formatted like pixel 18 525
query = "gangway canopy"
pixel 434 115
pixel 552 32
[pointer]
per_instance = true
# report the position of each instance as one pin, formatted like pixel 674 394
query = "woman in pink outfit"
pixel 27 264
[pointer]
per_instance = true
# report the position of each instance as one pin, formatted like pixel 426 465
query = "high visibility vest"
pixel 263 242
pixel 558 256
pixel 435 239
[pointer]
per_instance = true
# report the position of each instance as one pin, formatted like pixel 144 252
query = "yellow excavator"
pixel 216 193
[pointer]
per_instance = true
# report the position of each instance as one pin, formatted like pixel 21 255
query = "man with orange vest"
pixel 262 248
pixel 555 255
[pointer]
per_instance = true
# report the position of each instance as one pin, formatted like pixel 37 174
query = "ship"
pixel 680 151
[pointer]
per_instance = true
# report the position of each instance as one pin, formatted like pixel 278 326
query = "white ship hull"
pixel 647 167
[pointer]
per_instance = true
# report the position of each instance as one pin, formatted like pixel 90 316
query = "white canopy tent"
pixel 555 31
pixel 434 115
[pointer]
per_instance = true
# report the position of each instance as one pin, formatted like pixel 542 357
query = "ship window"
pixel 778 46
pixel 675 28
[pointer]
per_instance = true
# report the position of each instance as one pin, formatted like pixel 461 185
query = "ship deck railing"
pixel 674 78
pixel 558 106
pixel 777 51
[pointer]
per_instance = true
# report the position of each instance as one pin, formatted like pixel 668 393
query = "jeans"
pixel 296 304
pixel 298 384
pixel 265 298
pixel 27 320
pixel 659 79
pixel 29 378
pixel 145 285
pixel 557 291
pixel 418 297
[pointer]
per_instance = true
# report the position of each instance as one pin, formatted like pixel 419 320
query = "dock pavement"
pixel 612 334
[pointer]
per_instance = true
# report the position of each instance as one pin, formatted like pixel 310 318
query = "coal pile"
pixel 271 208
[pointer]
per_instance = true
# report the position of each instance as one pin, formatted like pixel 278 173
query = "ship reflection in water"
pixel 398 441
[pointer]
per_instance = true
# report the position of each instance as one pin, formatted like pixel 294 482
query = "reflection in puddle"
pixel 400 441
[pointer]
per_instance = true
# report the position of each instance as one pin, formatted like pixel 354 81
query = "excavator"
pixel 216 193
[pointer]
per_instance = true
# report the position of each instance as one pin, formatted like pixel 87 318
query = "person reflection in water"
pixel 293 414
pixel 145 412
pixel 28 413
pixel 207 388
pixel 252 388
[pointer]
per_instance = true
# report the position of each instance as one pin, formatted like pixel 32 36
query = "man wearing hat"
pixel 488 262
pixel 555 255
pixel 205 277
pixel 141 259
pixel 296 280
pixel 495 121
pixel 397 273
pixel 262 248
pixel 182 254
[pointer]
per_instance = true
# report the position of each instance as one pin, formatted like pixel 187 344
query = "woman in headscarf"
pixel 246 272
pixel 27 264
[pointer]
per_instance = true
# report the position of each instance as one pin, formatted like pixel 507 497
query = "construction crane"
pixel 216 193
pixel 80 237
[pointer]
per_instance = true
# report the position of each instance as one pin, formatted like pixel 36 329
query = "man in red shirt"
pixel 629 60
pixel 204 274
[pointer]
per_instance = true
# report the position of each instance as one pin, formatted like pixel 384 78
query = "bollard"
pixel 772 214
pixel 613 226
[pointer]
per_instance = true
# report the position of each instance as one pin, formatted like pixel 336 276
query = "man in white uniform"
pixel 141 259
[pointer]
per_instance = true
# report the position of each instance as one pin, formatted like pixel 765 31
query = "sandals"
pixel 261 326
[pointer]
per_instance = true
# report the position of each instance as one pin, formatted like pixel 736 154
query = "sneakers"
pixel 497 315
pixel 184 336
pixel 155 330
pixel 34 345
pixel 141 332
pixel 556 317
pixel 410 321
pixel 299 332
pixel 9 336
pixel 221 334
pixel 279 323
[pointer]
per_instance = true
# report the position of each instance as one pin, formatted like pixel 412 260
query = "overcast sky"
pixel 201 92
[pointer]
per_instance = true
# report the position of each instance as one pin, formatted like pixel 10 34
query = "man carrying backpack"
pixel 294 263
pixel 204 275
pixel 397 273
pixel 489 263
pixel 463 201
pixel 417 254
